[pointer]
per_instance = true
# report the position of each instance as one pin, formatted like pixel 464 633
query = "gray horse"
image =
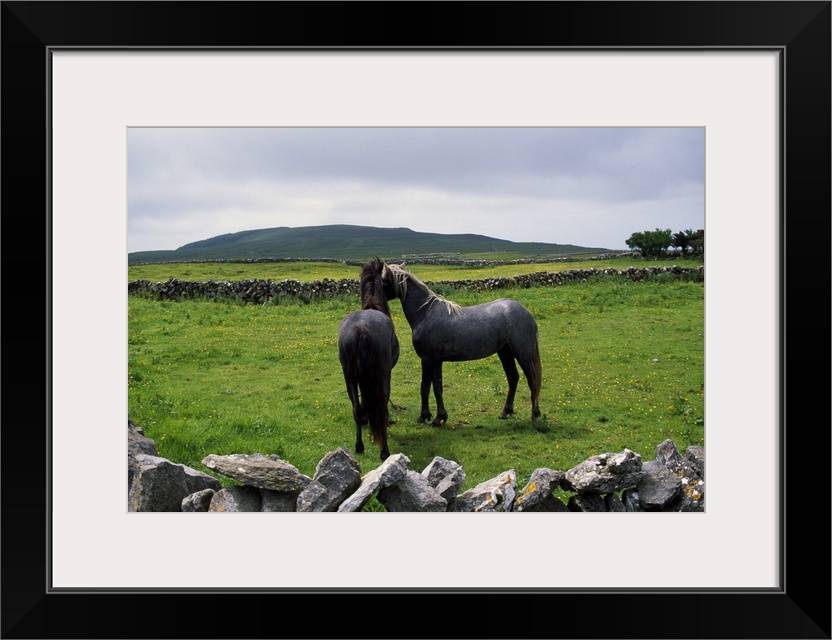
pixel 368 349
pixel 444 331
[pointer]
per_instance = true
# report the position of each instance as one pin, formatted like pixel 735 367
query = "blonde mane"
pixel 400 279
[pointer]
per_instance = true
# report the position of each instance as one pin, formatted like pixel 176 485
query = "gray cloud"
pixel 585 186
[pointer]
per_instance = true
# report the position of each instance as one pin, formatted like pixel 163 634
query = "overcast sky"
pixel 590 187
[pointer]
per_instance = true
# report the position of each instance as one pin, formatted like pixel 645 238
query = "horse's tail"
pixel 371 373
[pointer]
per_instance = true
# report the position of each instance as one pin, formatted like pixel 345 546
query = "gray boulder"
pixel 278 501
pixel 668 454
pixel 236 499
pixel 695 459
pixel 541 484
pixel 586 502
pixel 606 473
pixel 391 471
pixel 337 476
pixel 549 504
pixel 199 501
pixel 613 503
pixel 496 494
pixel 412 493
pixel 691 469
pixel 136 443
pixel 692 495
pixel 690 498
pixel 161 485
pixel 658 487
pixel 446 476
pixel 631 500
pixel 258 470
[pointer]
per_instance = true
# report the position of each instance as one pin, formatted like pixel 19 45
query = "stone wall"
pixel 608 482
pixel 260 291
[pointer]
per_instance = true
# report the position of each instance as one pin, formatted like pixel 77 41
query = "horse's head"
pixel 393 279
pixel 371 287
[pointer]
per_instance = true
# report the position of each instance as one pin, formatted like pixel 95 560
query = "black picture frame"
pixel 800 608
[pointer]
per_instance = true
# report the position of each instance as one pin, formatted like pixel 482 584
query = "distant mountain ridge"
pixel 349 242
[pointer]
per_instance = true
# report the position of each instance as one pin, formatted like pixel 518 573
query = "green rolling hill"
pixel 352 242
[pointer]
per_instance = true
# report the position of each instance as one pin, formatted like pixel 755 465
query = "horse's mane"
pixel 400 279
pixel 371 287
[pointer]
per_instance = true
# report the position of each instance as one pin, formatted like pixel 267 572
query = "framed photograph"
pixel 754 75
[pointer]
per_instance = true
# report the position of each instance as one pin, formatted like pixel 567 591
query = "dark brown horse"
pixel 444 331
pixel 368 349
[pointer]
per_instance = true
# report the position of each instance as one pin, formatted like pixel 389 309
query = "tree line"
pixel 654 244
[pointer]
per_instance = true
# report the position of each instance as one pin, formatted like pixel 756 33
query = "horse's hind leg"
pixel 432 376
pixel 441 414
pixel 385 452
pixel 357 415
pixel 512 376
pixel 424 391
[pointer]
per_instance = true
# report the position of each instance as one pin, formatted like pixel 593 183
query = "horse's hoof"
pixel 423 419
pixel 505 414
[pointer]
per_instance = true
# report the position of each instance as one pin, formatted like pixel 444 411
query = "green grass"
pixel 309 271
pixel 623 367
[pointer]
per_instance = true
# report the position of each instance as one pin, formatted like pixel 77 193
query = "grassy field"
pixel 623 367
pixel 309 271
